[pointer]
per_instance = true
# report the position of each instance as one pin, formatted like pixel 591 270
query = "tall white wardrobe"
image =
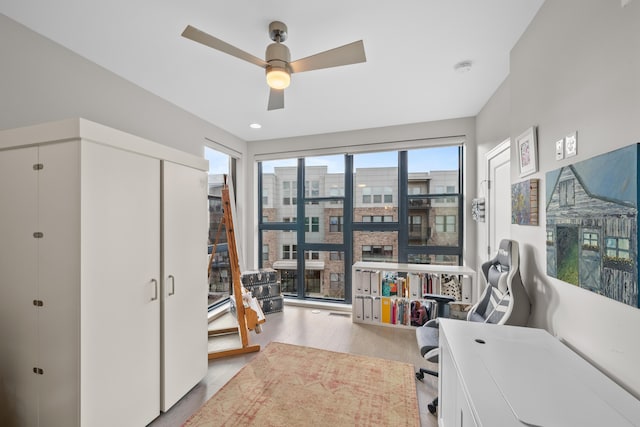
pixel 103 287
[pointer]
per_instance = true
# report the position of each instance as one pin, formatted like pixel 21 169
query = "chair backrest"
pixel 504 300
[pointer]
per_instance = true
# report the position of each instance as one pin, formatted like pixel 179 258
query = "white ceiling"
pixel 411 48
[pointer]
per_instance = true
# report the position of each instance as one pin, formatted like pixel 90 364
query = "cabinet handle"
pixel 155 288
pixel 173 285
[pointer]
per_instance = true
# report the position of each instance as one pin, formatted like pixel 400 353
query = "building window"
pixel 377 195
pixel 336 256
pixel 567 192
pixel 336 192
pixel 549 237
pixel 377 252
pixel 289 252
pixel 335 223
pixel 590 241
pixel 312 189
pixel 446 223
pixel 288 281
pixel 315 224
pixel 311 255
pixel 289 191
pixel 336 279
pixel 377 218
pixel 366 195
pixel 617 247
pixel 415 223
pixel 265 252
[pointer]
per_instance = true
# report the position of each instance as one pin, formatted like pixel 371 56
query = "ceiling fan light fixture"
pixel 278 78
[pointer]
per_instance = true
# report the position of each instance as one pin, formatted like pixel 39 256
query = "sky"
pixel 218 162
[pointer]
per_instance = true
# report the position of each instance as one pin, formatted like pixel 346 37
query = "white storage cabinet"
pixel 103 310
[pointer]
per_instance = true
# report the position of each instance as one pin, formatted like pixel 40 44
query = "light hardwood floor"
pixel 319 328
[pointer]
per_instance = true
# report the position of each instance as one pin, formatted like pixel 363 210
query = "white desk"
pixel 523 377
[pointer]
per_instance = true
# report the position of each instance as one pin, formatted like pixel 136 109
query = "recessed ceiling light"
pixel 255 125
pixel 463 66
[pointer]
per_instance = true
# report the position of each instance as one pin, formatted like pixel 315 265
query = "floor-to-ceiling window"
pixel 321 214
pixel 220 165
pixel 434 206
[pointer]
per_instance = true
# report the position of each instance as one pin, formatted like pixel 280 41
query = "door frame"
pixel 489 156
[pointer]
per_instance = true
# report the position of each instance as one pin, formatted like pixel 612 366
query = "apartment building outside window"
pixel 446 223
pixel 289 192
pixel 377 253
pixel 289 252
pixel 314 227
pixel 399 206
pixel 335 224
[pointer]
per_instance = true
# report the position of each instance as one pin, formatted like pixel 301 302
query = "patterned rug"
pixel 290 385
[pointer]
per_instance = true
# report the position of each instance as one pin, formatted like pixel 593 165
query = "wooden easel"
pixel 248 318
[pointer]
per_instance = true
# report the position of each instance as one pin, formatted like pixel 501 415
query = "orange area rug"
pixel 290 385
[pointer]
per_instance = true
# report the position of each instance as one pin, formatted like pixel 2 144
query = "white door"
pixel 499 203
pixel 184 291
pixel 18 285
pixel 120 287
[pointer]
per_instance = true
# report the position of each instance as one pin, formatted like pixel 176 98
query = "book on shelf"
pixel 367 282
pixel 377 309
pixel 374 279
pixel 358 304
pixel 385 316
pixel 368 308
pixel 415 284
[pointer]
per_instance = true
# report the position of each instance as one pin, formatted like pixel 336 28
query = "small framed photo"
pixel 560 149
pixel 527 152
pixel 571 144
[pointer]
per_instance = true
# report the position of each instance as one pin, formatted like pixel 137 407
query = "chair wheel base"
pixel 433 406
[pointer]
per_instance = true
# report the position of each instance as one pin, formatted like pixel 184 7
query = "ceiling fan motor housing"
pixel 278 56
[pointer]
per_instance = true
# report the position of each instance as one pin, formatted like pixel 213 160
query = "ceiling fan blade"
pixel 276 99
pixel 199 36
pixel 351 53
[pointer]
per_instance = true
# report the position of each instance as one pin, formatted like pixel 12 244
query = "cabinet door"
pixel 120 301
pixel 59 283
pixel 18 280
pixel 184 320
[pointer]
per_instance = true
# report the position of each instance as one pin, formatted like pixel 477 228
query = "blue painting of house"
pixel 592 224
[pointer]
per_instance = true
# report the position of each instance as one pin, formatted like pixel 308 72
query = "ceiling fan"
pixel 277 62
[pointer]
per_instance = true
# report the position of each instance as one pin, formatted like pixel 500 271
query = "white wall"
pixel 380 139
pixel 576 67
pixel 41 81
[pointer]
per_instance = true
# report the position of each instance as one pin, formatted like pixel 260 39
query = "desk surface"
pixel 533 376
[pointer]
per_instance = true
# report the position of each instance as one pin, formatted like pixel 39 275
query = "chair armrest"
pixel 439 298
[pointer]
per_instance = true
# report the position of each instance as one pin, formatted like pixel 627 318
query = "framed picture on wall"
pixel 527 152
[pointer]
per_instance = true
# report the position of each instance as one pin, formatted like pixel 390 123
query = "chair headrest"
pixel 498 269
pixel 504 255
